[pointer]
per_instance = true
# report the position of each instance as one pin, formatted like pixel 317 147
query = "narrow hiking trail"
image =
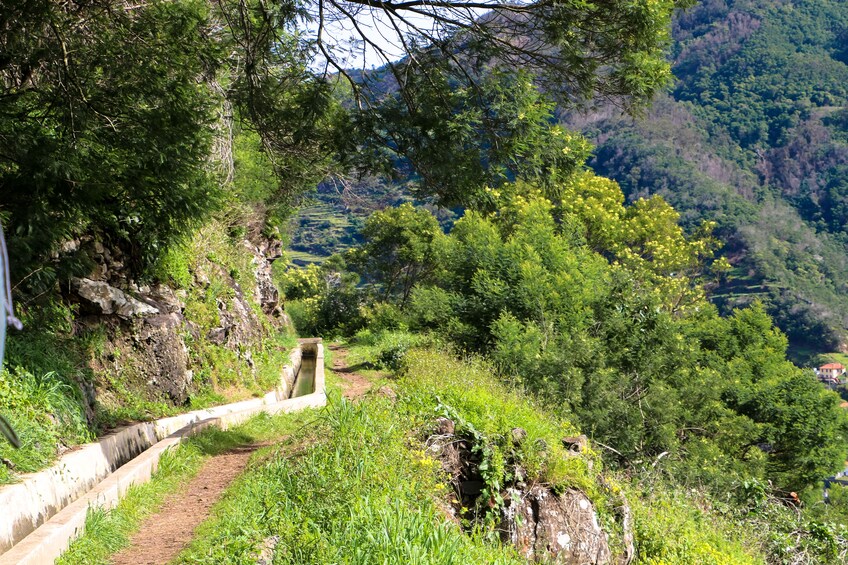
pixel 354 384
pixel 165 533
pixel 168 531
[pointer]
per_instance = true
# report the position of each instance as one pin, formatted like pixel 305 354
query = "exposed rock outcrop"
pixel 100 298
pixel 145 326
pixel 238 323
pixel 553 528
pixel 545 526
pixel 266 294
pixel 163 355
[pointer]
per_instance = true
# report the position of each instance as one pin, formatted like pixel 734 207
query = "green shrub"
pixel 671 529
pixel 381 316
pixel 430 307
pixel 299 284
pixel 303 314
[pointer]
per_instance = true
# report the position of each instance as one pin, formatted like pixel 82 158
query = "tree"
pixel 116 120
pixel 104 126
pixel 611 49
pixel 264 67
pixel 573 302
pixel 795 421
pixel 645 238
pixel 402 248
pixel 457 141
pixel 115 117
pixel 456 104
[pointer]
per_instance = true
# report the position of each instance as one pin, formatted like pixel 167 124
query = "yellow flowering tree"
pixel 644 238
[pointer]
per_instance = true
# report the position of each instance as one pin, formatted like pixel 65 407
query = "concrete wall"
pixel 27 505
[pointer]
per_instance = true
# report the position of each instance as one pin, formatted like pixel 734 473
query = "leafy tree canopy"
pixel 402 248
pixel 117 118
pixel 104 126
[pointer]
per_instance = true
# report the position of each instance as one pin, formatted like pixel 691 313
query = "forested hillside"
pixel 753 135
pixel 151 153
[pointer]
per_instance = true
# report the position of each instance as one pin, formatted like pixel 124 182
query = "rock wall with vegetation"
pixel 204 325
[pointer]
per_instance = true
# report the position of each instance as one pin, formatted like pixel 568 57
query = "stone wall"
pixel 146 327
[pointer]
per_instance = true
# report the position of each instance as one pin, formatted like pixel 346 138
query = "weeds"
pixel 45 411
pixel 346 490
pixel 108 531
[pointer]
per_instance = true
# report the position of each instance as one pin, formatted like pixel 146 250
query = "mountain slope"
pixel 753 135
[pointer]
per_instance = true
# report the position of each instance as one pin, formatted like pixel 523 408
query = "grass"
pixel 109 531
pixel 347 490
pixel 672 529
pixel 358 487
pixel 39 390
pixel 45 411
pixel 51 363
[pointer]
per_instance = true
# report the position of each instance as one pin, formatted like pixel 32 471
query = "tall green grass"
pixel 46 411
pixel 358 487
pixel 674 527
pixel 350 489
pixel 107 532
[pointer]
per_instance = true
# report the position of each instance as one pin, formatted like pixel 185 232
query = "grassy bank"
pixel 107 532
pixel 348 491
pixel 359 486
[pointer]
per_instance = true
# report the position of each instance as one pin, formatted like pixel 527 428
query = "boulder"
pixel 387 392
pixel 553 528
pixel 518 435
pixel 444 426
pixel 576 444
pixel 99 297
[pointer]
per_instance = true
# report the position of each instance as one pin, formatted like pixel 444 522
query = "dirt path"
pixel 355 385
pixel 164 534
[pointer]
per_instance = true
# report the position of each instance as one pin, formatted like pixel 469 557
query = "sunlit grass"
pixel 346 490
pixel 107 532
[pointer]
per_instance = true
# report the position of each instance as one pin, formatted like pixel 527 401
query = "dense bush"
pixel 598 307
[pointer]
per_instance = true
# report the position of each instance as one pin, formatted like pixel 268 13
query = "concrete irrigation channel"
pixel 42 514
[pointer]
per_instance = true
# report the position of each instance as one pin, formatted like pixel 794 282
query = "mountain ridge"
pixel 753 135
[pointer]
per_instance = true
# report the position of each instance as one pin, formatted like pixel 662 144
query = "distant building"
pixel 831 373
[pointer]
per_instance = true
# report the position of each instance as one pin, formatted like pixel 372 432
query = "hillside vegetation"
pixel 597 309
pixel 150 155
pixel 752 135
pixel 363 483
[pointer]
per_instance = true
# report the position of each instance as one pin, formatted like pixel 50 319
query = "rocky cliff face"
pixel 544 525
pixel 151 332
pixel 562 528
